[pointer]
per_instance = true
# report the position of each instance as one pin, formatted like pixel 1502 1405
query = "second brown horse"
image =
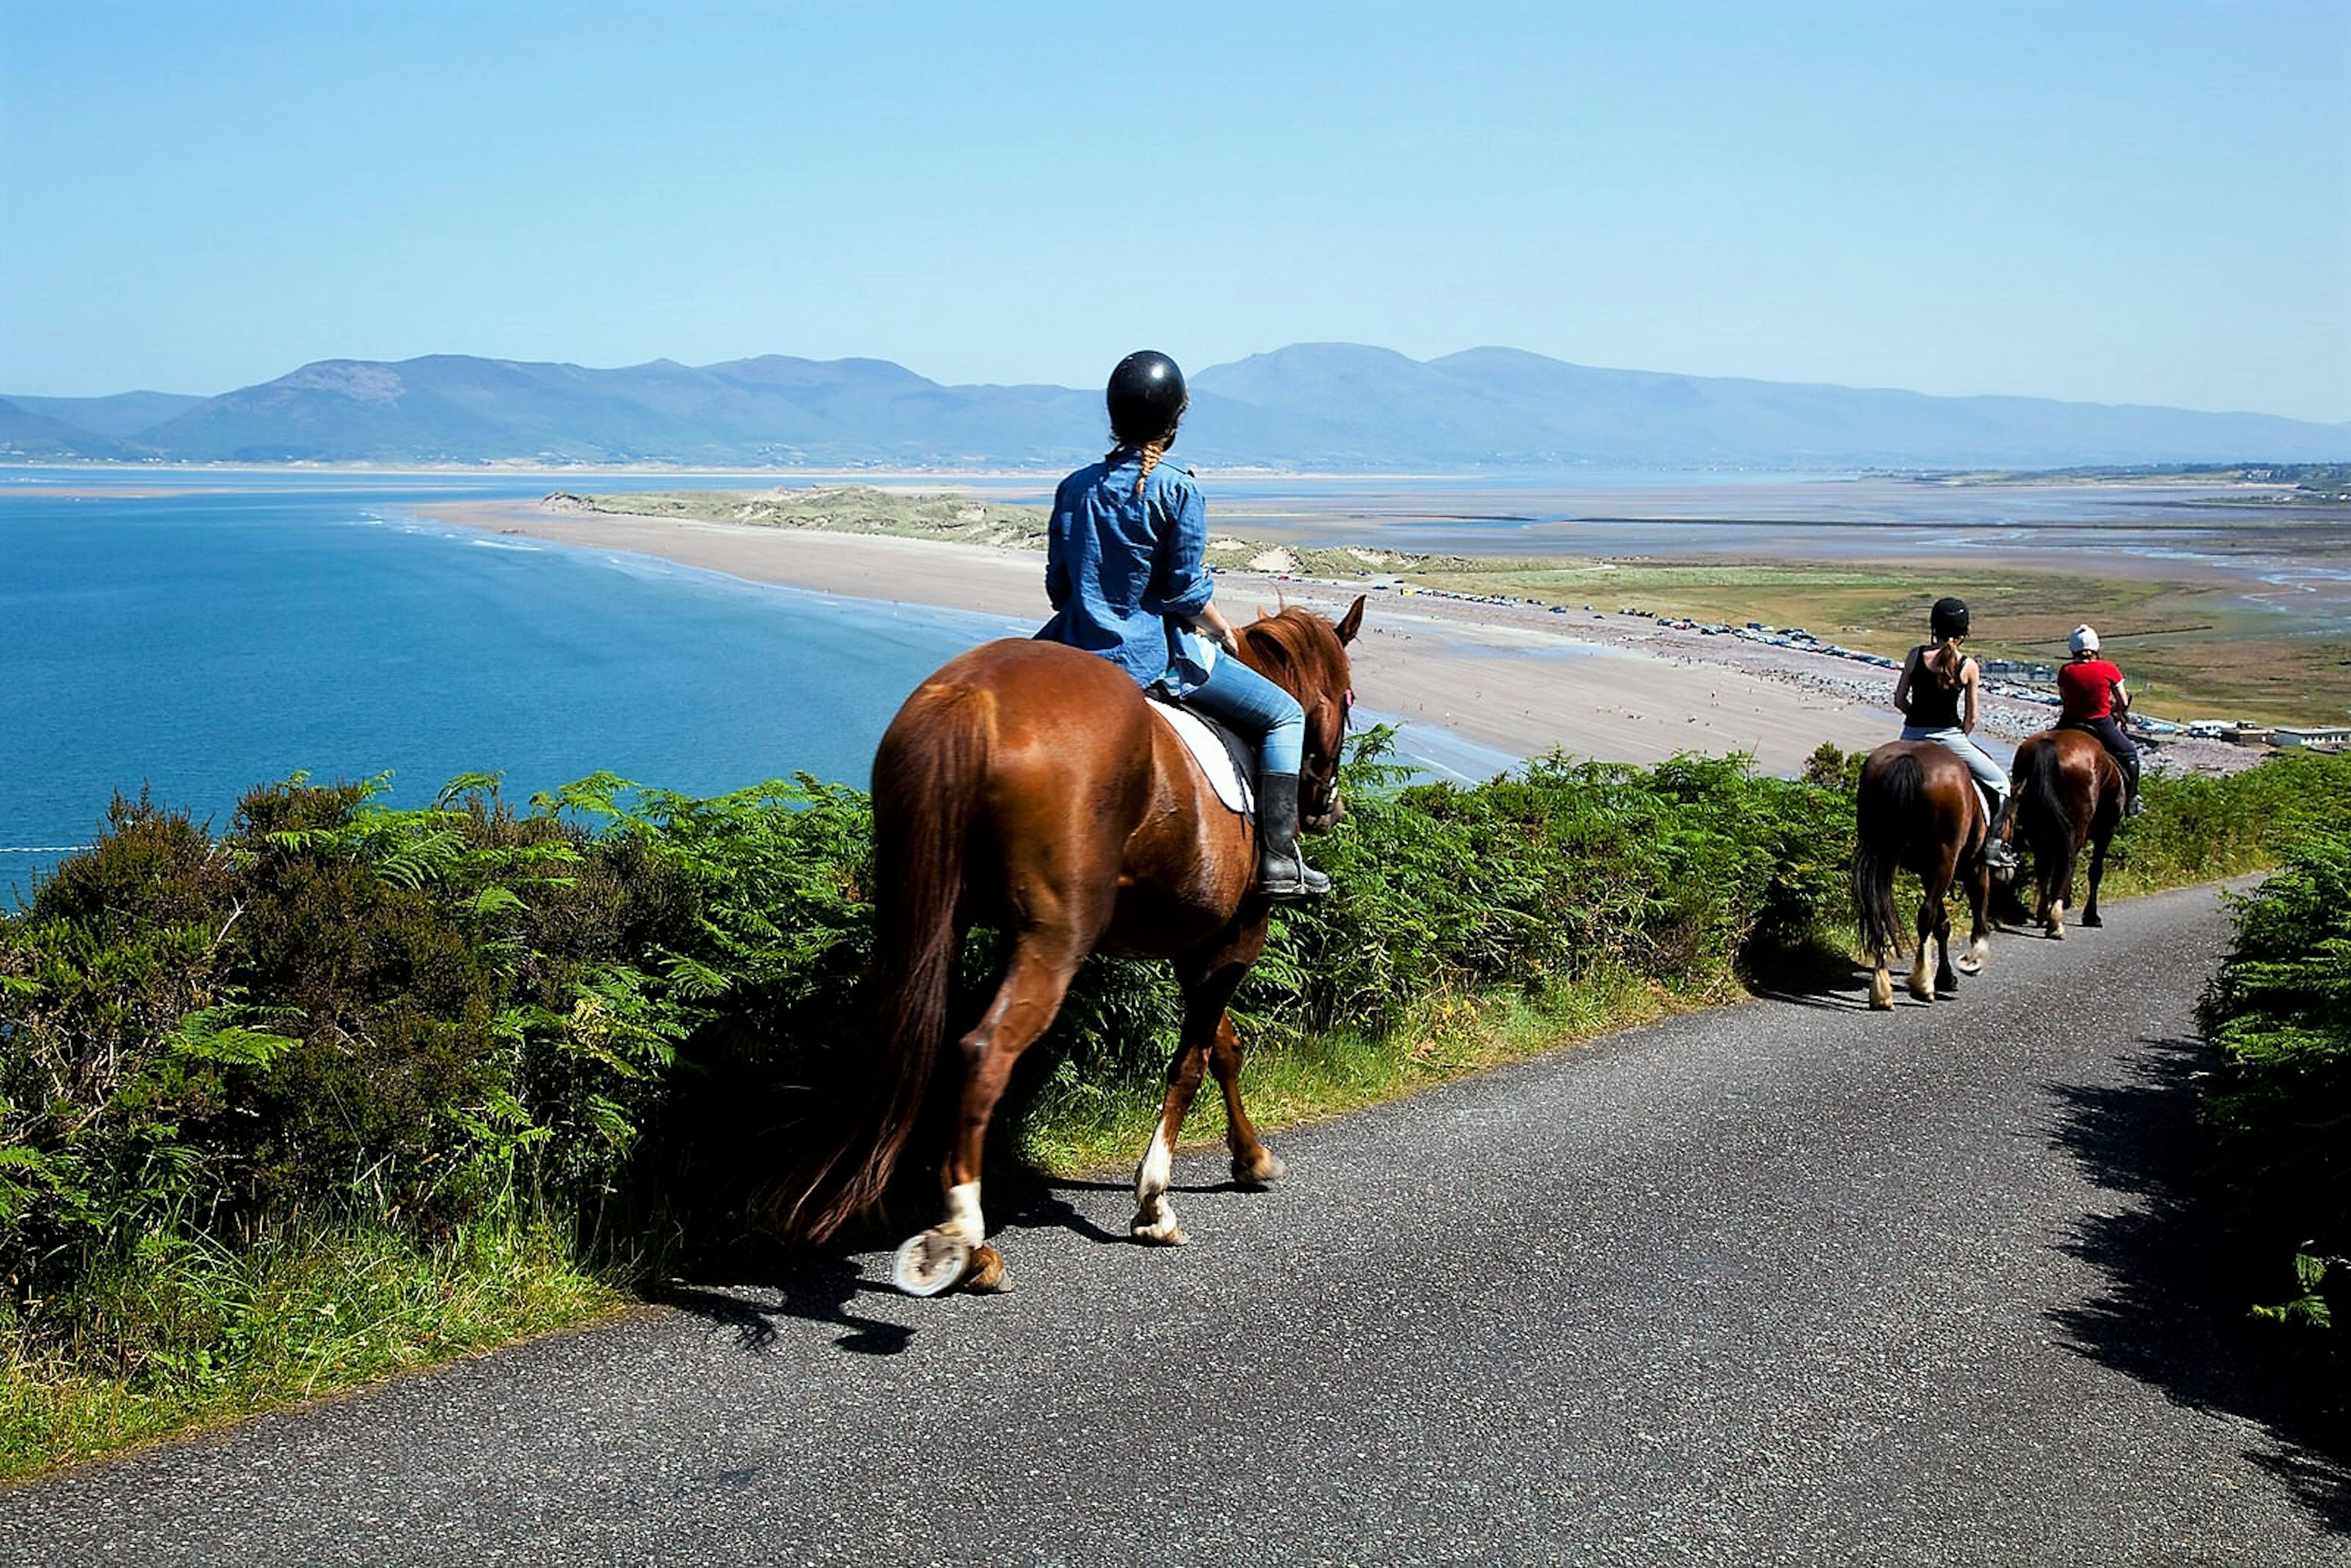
pixel 1027 786
pixel 1918 810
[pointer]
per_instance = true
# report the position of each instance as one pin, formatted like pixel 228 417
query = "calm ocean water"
pixel 202 642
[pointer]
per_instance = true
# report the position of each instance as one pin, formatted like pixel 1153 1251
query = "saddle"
pixel 1229 762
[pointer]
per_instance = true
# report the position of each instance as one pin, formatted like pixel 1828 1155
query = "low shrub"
pixel 2278 1018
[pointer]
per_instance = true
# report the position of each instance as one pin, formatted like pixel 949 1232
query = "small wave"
pixel 508 545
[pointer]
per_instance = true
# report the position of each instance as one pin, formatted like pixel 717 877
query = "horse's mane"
pixel 1292 639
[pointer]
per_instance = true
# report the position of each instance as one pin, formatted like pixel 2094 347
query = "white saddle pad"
pixel 1235 791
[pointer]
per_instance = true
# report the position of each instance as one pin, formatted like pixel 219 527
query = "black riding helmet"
pixel 1147 397
pixel 1948 618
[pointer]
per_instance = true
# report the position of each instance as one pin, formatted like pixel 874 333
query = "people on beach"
pixel 1126 570
pixel 1938 695
pixel 2091 697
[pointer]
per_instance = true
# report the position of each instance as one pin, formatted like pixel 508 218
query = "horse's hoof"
pixel 1162 1233
pixel 2089 920
pixel 1878 1004
pixel 1263 1171
pixel 931 1263
pixel 1924 993
pixel 2056 929
pixel 987 1274
pixel 1970 966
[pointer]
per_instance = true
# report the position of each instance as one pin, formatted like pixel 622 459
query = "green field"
pixel 2190 651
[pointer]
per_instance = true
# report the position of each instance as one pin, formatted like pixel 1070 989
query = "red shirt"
pixel 2086 687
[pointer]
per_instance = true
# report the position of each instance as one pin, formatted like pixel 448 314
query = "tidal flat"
pixel 2227 599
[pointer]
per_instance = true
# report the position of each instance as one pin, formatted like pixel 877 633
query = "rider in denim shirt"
pixel 1126 572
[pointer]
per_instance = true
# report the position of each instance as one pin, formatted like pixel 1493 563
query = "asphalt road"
pixel 1787 1282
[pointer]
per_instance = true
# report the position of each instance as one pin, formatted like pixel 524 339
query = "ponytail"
pixel 1947 660
pixel 1151 452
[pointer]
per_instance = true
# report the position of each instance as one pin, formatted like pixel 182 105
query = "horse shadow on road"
pixel 765 1284
pixel 2174 1312
pixel 1815 977
pixel 819 1288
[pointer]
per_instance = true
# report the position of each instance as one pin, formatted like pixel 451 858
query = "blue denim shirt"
pixel 1125 573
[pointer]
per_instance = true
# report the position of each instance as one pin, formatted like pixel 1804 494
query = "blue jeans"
pixel 1238 696
pixel 1980 763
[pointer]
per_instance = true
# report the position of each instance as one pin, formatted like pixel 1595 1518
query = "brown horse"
pixel 1027 786
pixel 2069 794
pixel 1919 810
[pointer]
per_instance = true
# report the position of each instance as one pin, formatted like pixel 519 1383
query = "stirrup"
pixel 2134 806
pixel 1287 877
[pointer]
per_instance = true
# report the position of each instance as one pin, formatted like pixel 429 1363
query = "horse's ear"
pixel 1271 652
pixel 1352 622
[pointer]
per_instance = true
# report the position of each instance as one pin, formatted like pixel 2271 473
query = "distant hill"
pixel 24 434
pixel 125 413
pixel 1336 405
pixel 1505 408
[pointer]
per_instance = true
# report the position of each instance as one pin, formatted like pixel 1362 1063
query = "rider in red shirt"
pixel 2091 689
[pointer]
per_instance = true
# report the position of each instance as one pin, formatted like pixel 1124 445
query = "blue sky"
pixel 2131 202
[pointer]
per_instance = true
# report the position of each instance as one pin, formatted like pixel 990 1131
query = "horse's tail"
pixel 1890 800
pixel 927 777
pixel 2040 809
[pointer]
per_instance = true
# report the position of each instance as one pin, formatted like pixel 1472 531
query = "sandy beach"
pixel 1521 680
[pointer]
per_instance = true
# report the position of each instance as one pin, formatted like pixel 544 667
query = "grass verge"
pixel 170 1343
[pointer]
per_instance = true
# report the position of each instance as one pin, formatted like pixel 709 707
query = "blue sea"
pixel 197 634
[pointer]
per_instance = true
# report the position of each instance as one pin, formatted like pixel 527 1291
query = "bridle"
pixel 1325 785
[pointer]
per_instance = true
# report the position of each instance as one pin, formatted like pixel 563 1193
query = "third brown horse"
pixel 2069 794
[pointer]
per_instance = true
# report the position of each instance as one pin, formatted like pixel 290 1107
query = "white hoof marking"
pixel 930 1263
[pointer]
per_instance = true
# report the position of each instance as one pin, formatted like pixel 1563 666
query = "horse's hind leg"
pixel 1979 921
pixel 1931 911
pixel 955 1251
pixel 1881 984
pixel 2061 892
pixel 1947 979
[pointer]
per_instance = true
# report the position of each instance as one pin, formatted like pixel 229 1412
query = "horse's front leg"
pixel 1254 1164
pixel 1154 1216
pixel 1209 980
pixel 2097 871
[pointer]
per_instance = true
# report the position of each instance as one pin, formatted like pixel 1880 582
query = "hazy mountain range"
pixel 1312 405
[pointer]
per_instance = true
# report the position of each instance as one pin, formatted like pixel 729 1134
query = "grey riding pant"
pixel 1955 740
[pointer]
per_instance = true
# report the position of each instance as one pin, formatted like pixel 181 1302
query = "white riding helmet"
pixel 2084 640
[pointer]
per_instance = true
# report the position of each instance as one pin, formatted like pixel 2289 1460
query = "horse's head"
pixel 1306 656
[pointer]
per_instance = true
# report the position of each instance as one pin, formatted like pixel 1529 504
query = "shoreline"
pixel 1515 679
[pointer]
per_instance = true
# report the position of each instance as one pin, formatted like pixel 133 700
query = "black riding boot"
pixel 1998 855
pixel 2131 807
pixel 1282 871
